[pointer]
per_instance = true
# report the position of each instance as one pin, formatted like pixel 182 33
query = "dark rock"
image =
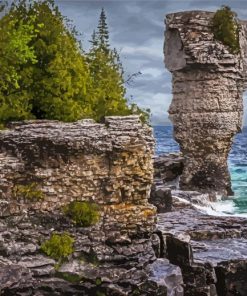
pixel 211 251
pixel 161 197
pixel 168 167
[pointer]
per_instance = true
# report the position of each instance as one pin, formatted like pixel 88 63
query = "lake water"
pixel 237 164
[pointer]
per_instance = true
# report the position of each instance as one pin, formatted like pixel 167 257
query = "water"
pixel 237 162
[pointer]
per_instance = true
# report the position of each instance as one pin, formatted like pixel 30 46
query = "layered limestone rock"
pixel 210 250
pixel 207 106
pixel 108 164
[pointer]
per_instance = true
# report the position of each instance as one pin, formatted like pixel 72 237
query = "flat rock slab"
pixel 211 251
pixel 201 226
pixel 219 251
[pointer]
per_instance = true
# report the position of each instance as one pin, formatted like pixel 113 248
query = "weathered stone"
pixel 207 106
pixel 161 197
pixel 168 167
pixel 166 275
pixel 211 251
pixel 109 164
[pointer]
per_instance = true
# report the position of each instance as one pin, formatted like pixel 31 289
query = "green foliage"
pixel 98 282
pixel 2 127
pixel 15 52
pixel 30 192
pixel 82 213
pixel 108 85
pixel 45 74
pixel 226 29
pixel 61 76
pixel 99 293
pixel 59 246
pixel 69 277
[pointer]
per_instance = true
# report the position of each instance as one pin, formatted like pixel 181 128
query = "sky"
pixel 137 31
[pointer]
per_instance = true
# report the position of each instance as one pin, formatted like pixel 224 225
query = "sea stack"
pixel 208 81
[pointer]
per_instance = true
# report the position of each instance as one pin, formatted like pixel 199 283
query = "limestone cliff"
pixel 109 164
pixel 207 107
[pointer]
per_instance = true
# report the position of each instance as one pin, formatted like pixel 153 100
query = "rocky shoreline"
pixel 188 253
pixel 210 250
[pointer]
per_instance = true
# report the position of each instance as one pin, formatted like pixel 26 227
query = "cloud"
pixel 137 31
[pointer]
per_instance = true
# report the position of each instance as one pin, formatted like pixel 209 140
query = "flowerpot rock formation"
pixel 207 106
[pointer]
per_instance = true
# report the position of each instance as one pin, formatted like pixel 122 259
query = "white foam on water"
pixel 220 208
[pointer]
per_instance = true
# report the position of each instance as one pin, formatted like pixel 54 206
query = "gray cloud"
pixel 137 31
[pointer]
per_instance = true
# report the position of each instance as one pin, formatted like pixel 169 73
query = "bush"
pixel 226 29
pixel 82 213
pixel 59 246
pixel 30 192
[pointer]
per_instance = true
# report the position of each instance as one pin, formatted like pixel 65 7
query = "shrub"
pixel 82 213
pixel 226 29
pixel 29 191
pixel 59 246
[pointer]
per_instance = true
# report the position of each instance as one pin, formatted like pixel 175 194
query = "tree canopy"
pixel 226 29
pixel 47 75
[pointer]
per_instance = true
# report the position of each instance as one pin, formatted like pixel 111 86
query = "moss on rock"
pixel 82 213
pixel 59 246
pixel 29 192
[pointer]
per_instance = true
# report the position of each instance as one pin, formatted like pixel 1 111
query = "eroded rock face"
pixel 207 106
pixel 109 164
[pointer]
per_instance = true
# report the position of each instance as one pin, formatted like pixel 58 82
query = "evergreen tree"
pixel 108 86
pixel 53 82
pixel 61 76
pixel 15 53
pixel 108 90
pixel 226 28
pixel 46 74
pixel 103 32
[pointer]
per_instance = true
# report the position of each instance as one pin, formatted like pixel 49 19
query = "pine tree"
pixel 103 32
pixel 108 90
pixel 108 85
pixel 61 76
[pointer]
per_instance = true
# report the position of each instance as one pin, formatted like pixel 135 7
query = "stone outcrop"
pixel 167 170
pixel 207 107
pixel 108 164
pixel 210 250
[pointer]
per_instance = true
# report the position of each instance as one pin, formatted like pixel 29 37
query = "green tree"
pixel 226 29
pixel 15 52
pixel 54 73
pixel 108 91
pixel 45 74
pixel 61 75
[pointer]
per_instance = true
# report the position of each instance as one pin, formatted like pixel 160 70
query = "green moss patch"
pixel 69 277
pixel 29 192
pixel 82 213
pixel 226 28
pixel 59 246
